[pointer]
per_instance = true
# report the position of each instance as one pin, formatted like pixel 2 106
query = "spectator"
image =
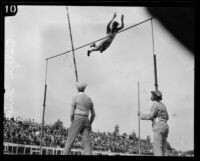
pixel 22 132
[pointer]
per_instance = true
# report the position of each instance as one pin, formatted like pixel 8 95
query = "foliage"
pixel 58 125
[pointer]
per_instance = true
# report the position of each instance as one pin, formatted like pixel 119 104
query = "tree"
pixel 58 124
pixel 132 135
pixel 117 128
pixel 125 135
pixel 116 131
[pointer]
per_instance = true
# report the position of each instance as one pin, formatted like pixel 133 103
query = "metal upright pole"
pixel 155 72
pixel 44 105
pixel 154 59
pixel 76 73
pixel 139 118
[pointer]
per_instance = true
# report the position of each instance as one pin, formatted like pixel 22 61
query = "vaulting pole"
pixel 76 73
pixel 139 118
pixel 44 105
pixel 154 59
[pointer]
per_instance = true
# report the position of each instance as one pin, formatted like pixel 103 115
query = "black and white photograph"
pixel 99 80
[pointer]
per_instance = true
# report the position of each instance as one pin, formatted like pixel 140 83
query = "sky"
pixel 39 32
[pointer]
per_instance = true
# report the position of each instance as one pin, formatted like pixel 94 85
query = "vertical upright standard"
pixel 139 118
pixel 76 73
pixel 44 105
pixel 154 59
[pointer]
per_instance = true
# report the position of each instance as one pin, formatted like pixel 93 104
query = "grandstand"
pixel 23 137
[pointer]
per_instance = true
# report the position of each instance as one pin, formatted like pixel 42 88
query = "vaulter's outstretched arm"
pixel 122 23
pixel 108 26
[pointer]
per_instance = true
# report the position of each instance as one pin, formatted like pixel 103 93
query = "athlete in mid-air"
pixel 111 33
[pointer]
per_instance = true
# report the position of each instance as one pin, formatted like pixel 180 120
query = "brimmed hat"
pixel 157 93
pixel 81 86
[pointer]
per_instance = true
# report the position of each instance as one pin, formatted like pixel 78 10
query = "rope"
pixel 100 39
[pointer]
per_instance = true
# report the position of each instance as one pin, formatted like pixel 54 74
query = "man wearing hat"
pixel 159 116
pixel 80 123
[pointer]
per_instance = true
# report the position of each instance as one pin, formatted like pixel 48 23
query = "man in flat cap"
pixel 80 123
pixel 159 116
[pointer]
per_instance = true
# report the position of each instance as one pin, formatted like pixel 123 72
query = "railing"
pixel 20 149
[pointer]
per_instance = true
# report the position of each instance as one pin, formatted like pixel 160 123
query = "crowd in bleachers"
pixel 19 131
pixel 28 132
